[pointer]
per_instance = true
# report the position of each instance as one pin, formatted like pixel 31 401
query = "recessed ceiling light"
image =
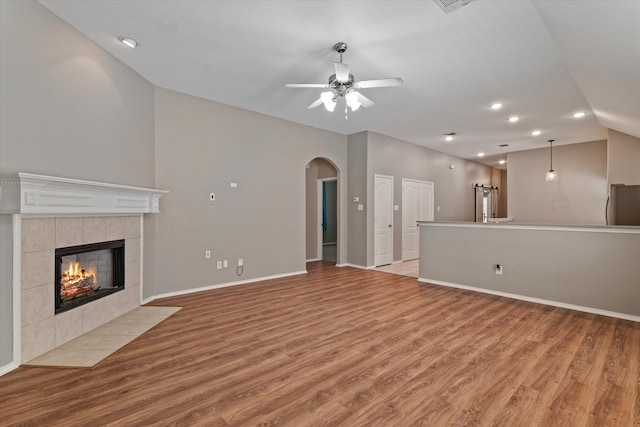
pixel 128 41
pixel 480 154
pixel 536 132
pixel 514 119
pixel 502 162
pixel 449 138
pixel 579 115
pixel 496 106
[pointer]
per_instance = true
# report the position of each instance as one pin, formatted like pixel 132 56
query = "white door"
pixel 383 219
pixel 425 201
pixel 410 237
pixel 417 205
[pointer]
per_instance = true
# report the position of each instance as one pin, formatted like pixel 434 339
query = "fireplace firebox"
pixel 87 272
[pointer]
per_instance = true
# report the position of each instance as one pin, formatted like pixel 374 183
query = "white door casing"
pixel 383 219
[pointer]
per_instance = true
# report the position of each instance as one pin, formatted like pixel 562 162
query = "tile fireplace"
pixel 52 245
pixel 74 255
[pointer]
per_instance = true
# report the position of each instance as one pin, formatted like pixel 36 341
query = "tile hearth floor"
pixel 406 268
pixel 89 349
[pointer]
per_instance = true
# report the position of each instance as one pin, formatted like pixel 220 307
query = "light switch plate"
pixel 360 207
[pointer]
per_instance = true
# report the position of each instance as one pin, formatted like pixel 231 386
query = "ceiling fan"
pixel 343 85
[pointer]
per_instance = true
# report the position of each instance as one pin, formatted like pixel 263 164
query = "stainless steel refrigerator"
pixel 624 204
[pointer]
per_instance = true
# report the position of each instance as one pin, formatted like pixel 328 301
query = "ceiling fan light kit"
pixel 342 84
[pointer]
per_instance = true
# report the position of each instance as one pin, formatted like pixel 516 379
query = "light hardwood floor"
pixel 348 347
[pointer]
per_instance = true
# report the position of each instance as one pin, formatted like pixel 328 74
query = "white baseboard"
pixel 8 368
pixel 314 260
pixel 221 285
pixel 536 300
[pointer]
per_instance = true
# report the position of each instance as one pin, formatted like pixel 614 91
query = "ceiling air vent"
pixel 450 5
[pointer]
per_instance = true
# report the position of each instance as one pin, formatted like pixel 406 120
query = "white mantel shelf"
pixel 27 193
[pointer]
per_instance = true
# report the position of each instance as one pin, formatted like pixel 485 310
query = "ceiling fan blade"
pixel 315 104
pixel 366 102
pixel 365 84
pixel 307 85
pixel 342 72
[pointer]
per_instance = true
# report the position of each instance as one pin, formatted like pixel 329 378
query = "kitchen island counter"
pixel 593 268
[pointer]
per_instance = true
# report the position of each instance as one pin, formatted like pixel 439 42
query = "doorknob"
pixel 389 225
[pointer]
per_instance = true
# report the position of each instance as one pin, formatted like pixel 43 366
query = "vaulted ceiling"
pixel 543 60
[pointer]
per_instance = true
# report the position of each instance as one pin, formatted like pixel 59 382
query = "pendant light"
pixel 551 175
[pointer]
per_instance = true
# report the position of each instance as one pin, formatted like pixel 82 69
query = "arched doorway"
pixel 322 211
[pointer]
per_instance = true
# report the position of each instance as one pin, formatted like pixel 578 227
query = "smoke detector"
pixel 449 6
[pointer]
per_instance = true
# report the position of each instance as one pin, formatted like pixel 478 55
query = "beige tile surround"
pixel 42 330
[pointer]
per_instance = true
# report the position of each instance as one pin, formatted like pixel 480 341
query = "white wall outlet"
pixel 225 263
pixel 361 207
pixel 207 254
pixel 396 207
pixel 212 196
pixel 240 262
pixel 499 269
pixel 234 185
pixel 219 265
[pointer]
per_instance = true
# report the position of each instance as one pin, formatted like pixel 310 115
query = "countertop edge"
pixel 625 229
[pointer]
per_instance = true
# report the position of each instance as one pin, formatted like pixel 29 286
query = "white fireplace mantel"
pixel 27 193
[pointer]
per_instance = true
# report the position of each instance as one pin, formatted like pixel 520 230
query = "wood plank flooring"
pixel 347 347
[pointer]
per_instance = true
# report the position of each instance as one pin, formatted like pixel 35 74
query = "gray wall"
pixel 453 192
pixel 578 197
pixel 201 147
pixel 357 220
pixel 590 269
pixel 69 109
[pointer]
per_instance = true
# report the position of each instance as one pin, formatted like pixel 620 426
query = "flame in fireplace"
pixel 77 282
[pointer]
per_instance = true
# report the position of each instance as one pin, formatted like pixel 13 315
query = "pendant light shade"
pixel 551 174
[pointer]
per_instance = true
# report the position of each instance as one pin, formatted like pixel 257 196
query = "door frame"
pixel 319 251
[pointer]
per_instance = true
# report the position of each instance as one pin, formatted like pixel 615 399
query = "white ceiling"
pixel 543 60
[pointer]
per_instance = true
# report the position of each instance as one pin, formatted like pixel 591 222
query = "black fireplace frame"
pixel 118 252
